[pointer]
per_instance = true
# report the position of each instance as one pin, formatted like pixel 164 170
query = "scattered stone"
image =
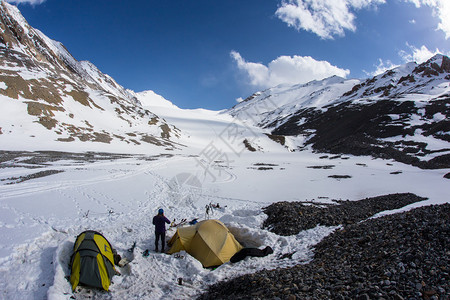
pixel 249 146
pixel 288 218
pixel 365 260
pixel 265 168
pixel 340 176
pixel 325 167
pixel 396 172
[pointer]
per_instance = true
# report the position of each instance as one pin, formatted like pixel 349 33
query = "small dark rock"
pixel 363 297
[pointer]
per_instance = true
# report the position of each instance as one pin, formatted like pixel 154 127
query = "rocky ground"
pixel 399 256
pixel 287 218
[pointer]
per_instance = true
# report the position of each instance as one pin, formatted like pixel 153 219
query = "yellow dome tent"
pixel 208 241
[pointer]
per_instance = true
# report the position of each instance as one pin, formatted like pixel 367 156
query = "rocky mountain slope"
pixel 403 114
pixel 47 94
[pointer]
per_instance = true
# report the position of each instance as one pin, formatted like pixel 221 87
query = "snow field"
pixel 41 217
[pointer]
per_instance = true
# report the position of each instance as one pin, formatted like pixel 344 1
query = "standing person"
pixel 160 229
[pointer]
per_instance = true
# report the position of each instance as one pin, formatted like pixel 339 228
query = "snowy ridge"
pixel 278 103
pixel 407 82
pixel 423 82
pixel 151 99
pixel 58 50
pixel 86 70
pixel 106 82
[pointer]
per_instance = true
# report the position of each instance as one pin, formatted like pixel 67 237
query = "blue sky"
pixel 208 53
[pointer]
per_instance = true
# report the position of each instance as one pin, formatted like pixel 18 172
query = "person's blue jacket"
pixel 160 223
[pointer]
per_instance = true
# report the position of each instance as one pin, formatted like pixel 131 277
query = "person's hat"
pixel 160 211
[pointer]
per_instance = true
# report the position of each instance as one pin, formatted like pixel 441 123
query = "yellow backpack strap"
pixel 103 272
pixel 75 276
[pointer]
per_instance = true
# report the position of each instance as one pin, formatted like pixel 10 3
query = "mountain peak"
pixel 437 58
pixel 438 64
pixel 151 99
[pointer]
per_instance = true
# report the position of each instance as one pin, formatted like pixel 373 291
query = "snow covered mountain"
pixel 151 99
pixel 47 95
pixel 403 114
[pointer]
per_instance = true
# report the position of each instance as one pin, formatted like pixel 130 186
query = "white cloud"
pixel 419 55
pixel 326 18
pixel 287 69
pixel 258 73
pixel 32 2
pixel 441 8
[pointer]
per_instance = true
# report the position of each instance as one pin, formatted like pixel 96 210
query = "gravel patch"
pixel 288 218
pixel 399 256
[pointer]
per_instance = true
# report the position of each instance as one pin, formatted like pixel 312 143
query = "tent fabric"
pixel 208 241
pixel 92 261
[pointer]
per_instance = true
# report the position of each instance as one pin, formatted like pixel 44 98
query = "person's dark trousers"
pixel 162 236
